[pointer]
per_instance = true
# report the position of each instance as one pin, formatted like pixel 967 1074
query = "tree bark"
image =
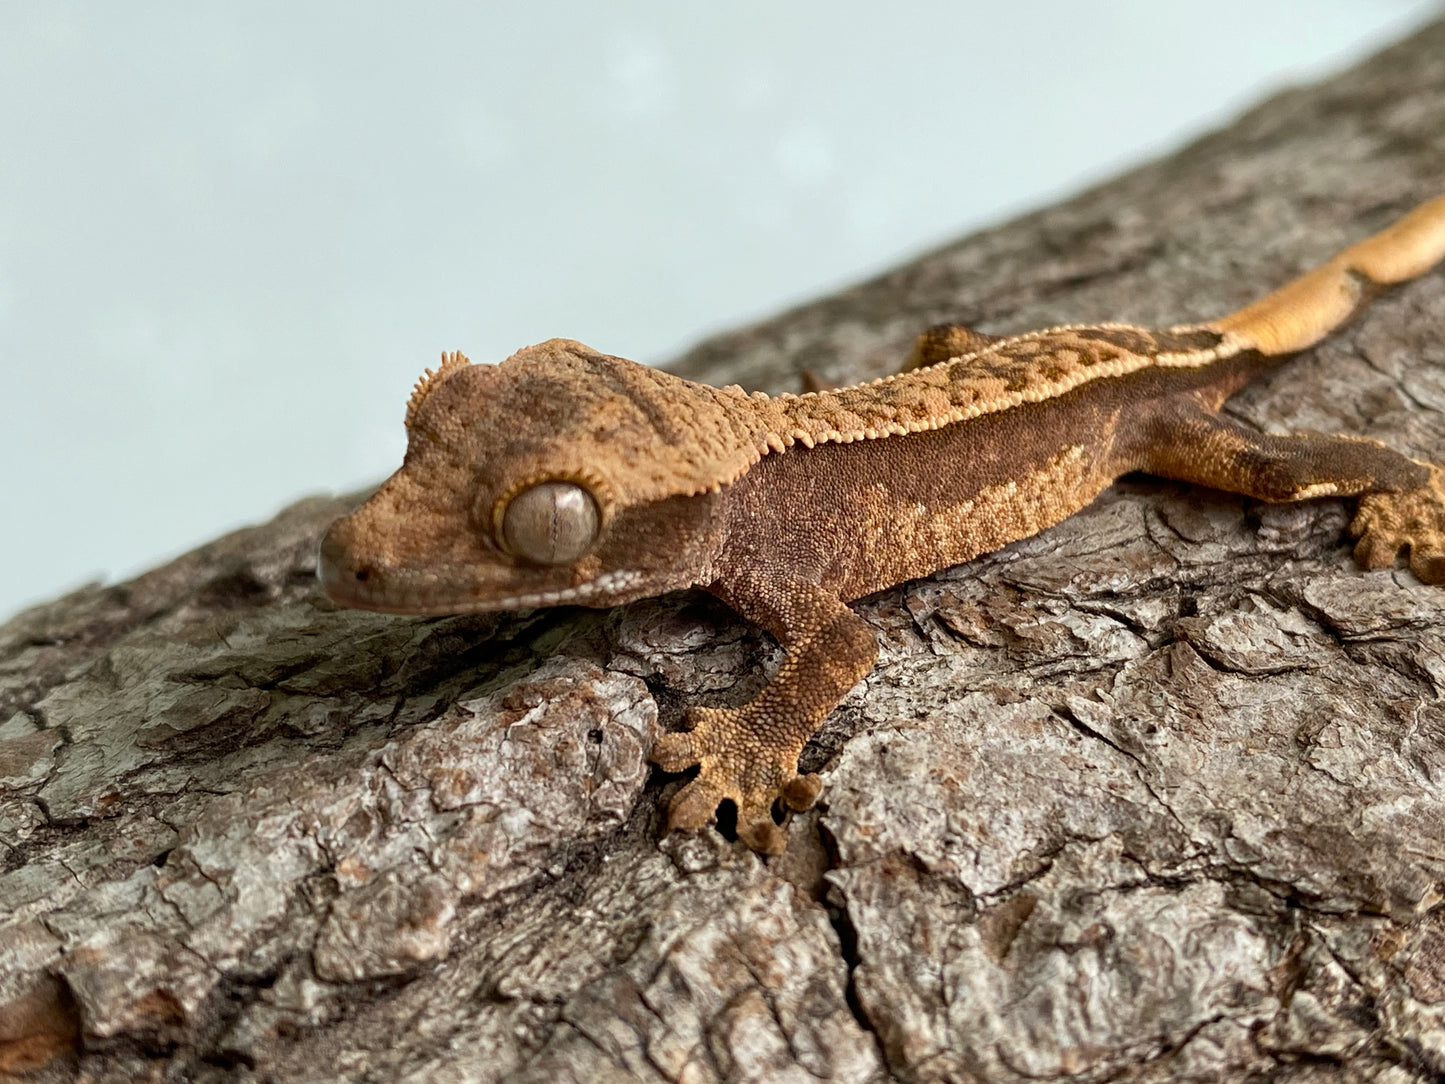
pixel 1156 795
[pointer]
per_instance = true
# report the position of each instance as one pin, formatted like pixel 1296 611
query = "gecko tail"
pixel 1301 313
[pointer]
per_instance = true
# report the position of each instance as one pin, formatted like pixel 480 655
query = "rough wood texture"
pixel 1158 795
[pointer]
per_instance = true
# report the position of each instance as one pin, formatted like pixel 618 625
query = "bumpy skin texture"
pixel 789 507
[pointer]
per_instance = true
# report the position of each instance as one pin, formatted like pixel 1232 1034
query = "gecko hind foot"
pixel 734 765
pixel 1389 522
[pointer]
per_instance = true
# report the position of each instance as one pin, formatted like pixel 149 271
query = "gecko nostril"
pixel 344 577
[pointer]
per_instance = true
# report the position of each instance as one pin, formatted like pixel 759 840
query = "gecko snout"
pixel 343 577
pixel 358 570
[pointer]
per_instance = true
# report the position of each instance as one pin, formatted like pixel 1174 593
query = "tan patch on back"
pixel 910 539
pixel 1018 508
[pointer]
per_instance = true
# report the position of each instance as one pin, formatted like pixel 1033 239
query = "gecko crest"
pixel 430 379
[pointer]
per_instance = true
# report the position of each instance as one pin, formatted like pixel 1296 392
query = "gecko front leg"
pixel 750 754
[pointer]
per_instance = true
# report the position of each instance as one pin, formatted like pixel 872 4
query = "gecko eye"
pixel 553 523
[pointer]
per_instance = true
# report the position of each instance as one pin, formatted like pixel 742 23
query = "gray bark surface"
pixel 1156 795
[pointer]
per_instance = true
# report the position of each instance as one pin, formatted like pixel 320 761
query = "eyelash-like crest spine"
pixel 430 379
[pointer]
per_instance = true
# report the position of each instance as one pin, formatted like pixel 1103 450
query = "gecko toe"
pixel 1374 552
pixel 734 770
pixel 1391 521
pixel 694 805
pixel 801 792
pixel 762 835
pixel 675 752
pixel 1428 563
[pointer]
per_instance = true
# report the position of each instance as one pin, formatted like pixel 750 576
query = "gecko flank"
pixel 565 476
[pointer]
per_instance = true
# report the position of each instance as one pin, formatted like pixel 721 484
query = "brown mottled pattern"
pixel 902 538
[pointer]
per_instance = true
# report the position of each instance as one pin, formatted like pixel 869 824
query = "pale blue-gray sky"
pixel 231 235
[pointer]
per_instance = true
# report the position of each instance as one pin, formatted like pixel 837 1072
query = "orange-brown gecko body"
pixel 564 476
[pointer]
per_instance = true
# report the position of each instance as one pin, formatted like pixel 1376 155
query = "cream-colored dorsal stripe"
pixel 997 377
pixel 1003 374
pixel 1304 311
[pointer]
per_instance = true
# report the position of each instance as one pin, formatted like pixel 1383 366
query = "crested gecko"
pixel 567 476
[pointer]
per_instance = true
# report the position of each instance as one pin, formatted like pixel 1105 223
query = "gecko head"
pixel 560 476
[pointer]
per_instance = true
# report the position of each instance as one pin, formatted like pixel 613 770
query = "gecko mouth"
pixel 456 590
pixel 426 595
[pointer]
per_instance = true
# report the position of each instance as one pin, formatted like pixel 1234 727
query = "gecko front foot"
pixel 1388 522
pixel 737 762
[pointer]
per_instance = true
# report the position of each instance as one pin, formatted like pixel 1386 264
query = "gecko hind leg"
pixel 940 343
pixel 943 342
pixel 1401 500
